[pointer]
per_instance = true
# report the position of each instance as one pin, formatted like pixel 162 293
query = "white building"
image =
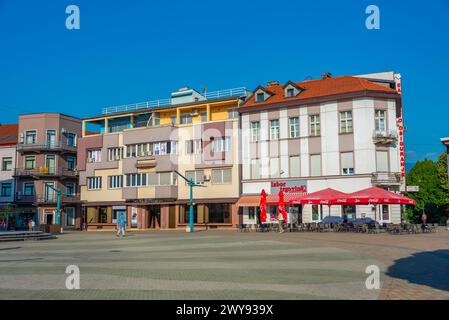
pixel 8 141
pixel 344 133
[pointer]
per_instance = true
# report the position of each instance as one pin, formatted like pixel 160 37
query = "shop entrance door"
pixel 172 217
pixel 154 217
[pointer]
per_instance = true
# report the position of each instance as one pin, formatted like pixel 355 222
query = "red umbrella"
pixel 375 195
pixel 281 206
pixel 263 206
pixel 327 196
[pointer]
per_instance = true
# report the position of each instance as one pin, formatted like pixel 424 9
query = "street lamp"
pixel 191 186
pixel 58 203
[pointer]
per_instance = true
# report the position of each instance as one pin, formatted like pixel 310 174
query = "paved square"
pixel 227 265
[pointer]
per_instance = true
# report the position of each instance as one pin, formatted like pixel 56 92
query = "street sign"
pixel 412 188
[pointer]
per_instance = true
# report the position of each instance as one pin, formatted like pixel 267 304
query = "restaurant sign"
pixel 288 186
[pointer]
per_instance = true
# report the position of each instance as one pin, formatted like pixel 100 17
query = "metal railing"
pixel 168 102
pixel 390 136
pixel 45 172
pixel 45 146
pixel 45 198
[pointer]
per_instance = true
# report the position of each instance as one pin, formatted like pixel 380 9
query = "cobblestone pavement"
pixel 227 265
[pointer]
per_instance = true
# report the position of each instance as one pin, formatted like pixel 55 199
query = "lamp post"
pixel 191 186
pixel 59 193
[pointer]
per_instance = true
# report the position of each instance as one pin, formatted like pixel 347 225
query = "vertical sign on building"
pixel 400 125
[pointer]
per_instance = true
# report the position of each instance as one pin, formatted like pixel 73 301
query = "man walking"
pixel 281 222
pixel 121 225
pixel 424 221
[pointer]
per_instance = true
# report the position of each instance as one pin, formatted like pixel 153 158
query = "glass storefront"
pixel 206 213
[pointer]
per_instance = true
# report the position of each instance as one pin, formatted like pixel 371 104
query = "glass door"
pixel 50 163
pixel 51 138
pixel 50 195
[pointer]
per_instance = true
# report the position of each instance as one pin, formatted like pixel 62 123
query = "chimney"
pixel 272 83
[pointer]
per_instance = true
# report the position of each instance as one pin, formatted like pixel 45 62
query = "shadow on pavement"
pixel 426 268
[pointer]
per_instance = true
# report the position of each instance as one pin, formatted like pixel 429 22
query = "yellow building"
pixel 128 159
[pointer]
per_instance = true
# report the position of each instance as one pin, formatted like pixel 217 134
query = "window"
pixel 115 154
pixel 151 149
pixel 222 176
pixel 221 144
pixel 252 213
pixel 30 137
pixel 382 161
pixel 93 183
pixel 347 163
pixel 71 163
pixel 70 189
pixel 274 168
pixel 51 138
pixel 379 120
pixel 70 216
pixel 115 182
pixel 290 92
pixel 294 166
pixel 315 165
pixel 255 169
pixel 349 211
pixel 255 131
pixel 197 176
pixel 166 179
pixel 203 116
pixel 94 155
pixel 173 120
pixel 71 139
pixel 260 97
pixel 30 162
pixel 7 164
pixel 315 129
pixel 136 179
pixel 316 212
pixel 233 113
pixel 294 127
pixel 186 118
pixel 385 212
pixel 28 189
pixel 194 146
pixel 274 129
pixel 6 189
pixel 346 122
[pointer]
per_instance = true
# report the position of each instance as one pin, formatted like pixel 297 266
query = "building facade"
pixel 45 164
pixel 344 133
pixel 128 159
pixel 8 142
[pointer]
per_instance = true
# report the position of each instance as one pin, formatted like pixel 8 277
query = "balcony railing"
pixel 23 147
pixel 386 178
pixel 45 172
pixel 45 199
pixel 167 102
pixel 385 137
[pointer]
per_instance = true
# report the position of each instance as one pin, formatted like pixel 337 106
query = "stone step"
pixel 27 236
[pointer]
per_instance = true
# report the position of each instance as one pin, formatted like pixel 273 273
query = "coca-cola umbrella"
pixel 281 206
pixel 263 206
pixel 375 196
pixel 327 197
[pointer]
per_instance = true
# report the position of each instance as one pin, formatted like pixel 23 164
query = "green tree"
pixel 433 198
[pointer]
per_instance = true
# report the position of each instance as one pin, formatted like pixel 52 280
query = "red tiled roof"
pixel 8 134
pixel 320 88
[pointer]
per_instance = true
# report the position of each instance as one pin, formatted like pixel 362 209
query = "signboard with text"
pixel 288 186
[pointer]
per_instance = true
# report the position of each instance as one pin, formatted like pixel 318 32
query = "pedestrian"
pixel 447 223
pixel 424 221
pixel 281 222
pixel 121 225
pixel 30 227
pixel 33 225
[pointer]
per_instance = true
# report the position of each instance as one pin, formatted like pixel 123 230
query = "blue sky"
pixel 131 51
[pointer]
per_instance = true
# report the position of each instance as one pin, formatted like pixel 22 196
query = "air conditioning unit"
pixel 206 177
pixel 90 160
pixel 63 130
pixel 194 113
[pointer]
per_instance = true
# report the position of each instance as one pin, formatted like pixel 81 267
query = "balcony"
pixel 385 137
pixel 45 199
pixel 38 148
pixel 386 179
pixel 44 172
